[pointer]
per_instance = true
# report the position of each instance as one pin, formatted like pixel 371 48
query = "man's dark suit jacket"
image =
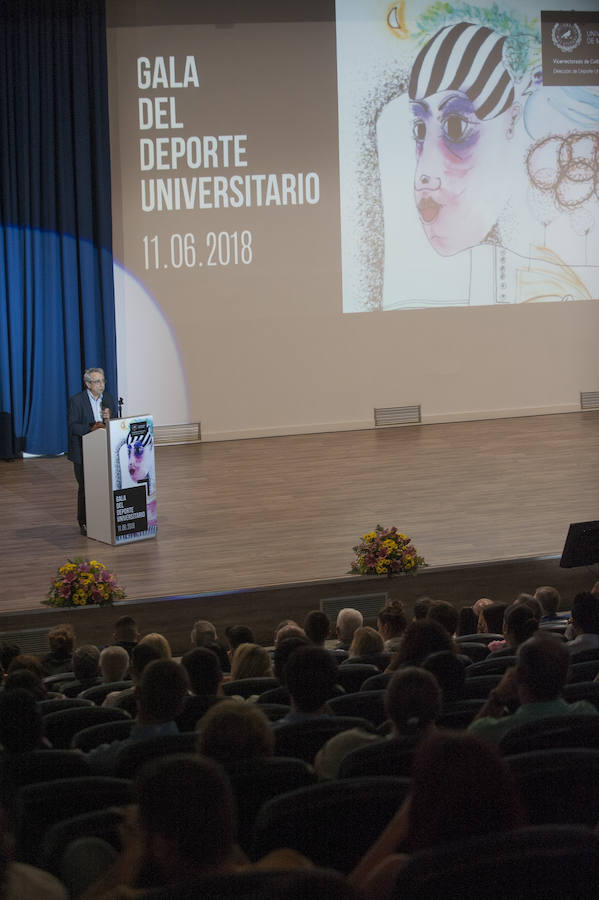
pixel 81 419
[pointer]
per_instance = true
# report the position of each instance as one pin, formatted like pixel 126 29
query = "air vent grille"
pixel 30 640
pixel 589 399
pixel 368 604
pixel 178 434
pixel 397 415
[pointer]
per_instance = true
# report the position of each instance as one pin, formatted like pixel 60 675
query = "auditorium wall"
pixel 282 264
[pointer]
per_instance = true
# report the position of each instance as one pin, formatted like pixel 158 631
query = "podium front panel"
pixel 133 478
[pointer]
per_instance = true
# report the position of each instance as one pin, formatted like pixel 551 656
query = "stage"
pixel 244 521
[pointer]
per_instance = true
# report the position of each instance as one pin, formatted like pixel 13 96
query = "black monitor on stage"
pixel 582 545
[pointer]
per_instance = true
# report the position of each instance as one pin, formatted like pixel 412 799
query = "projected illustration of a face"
pixel 461 170
pixel 463 111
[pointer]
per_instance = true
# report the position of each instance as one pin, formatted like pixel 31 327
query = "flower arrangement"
pixel 83 583
pixel 385 551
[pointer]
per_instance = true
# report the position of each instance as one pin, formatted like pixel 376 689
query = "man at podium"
pixel 88 411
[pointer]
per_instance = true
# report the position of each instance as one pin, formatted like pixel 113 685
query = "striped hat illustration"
pixel 467 58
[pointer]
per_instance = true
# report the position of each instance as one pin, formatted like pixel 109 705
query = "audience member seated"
pixel 114 663
pixel 421 638
pixel 205 681
pixel 203 634
pixel 236 635
pixel 250 661
pixel 412 703
pixel 125 633
pixel 26 680
pixel 61 640
pixel 7 654
pixel 317 626
pixel 281 654
pixel 368 647
pixel 181 828
pixel 86 669
pixel 421 608
pixel 141 655
pixel 467 621
pixel 289 630
pixel 391 623
pixel 445 614
pixel 159 643
pixel 160 699
pixel 533 687
pixel 310 676
pixel 21 723
pixel 461 788
pixel 348 620
pixel 519 625
pixel 449 673
pixel 234 731
pixel 26 661
pixel 550 599
pixel 490 619
pixel 585 621
pixel 20 881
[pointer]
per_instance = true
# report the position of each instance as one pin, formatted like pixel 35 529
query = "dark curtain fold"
pixel 56 282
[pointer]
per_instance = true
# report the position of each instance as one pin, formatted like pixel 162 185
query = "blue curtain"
pixel 56 284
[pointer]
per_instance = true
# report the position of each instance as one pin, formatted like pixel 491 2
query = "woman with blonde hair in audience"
pixel 461 788
pixel 159 642
pixel 250 661
pixel 367 647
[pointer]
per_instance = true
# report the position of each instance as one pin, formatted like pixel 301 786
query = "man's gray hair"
pixel 202 633
pixel 87 375
pixel 348 620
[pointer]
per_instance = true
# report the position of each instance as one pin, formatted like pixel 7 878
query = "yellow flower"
pixel 370 536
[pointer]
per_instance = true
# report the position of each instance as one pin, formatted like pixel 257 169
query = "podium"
pixel 120 481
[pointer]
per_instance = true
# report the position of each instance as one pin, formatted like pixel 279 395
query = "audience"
pixel 585 620
pixel 61 639
pixel 460 786
pixel 533 687
pixel 391 623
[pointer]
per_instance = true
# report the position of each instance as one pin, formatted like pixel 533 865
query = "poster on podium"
pixel 133 478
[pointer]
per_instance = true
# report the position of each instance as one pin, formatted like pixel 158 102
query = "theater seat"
pixel 332 823
pixel 304 739
pixel 559 785
pixel 61 726
pixel 548 862
pixel 554 731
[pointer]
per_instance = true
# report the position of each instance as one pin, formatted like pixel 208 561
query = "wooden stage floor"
pixel 273 511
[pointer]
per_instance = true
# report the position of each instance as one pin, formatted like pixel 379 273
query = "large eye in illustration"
pixel 456 129
pixel 418 130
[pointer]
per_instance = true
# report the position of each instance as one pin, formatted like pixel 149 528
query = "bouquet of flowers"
pixel 83 583
pixel 385 551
